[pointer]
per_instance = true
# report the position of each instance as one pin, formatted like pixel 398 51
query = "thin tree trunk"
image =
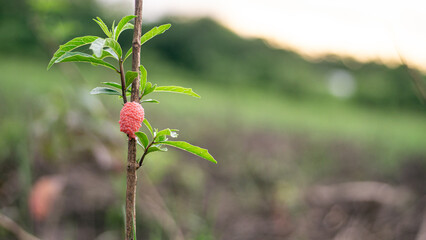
pixel 131 157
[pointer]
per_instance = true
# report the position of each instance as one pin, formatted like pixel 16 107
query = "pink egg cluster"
pixel 131 117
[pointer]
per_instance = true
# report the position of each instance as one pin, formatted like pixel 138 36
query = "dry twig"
pixel 14 228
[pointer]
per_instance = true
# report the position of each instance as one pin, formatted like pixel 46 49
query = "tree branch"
pixel 144 154
pixel 14 228
pixel 131 155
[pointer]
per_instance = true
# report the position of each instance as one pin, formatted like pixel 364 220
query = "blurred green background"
pixel 324 149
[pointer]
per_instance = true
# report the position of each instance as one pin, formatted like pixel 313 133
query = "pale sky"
pixel 363 29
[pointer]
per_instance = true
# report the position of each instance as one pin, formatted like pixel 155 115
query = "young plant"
pixel 133 84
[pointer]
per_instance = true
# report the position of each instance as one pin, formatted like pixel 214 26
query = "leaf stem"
pixel 123 82
pixel 145 153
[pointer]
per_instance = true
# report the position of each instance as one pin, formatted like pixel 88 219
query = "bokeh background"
pixel 318 127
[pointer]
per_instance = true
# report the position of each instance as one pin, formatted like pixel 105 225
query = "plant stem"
pixel 123 81
pixel 14 228
pixel 131 190
pixel 145 153
pixel 131 157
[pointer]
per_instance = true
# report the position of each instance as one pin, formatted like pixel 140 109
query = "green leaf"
pixel 143 138
pixel 114 45
pixel 105 90
pixel 139 143
pixel 150 34
pixel 108 52
pixel 130 77
pixel 103 26
pixel 123 25
pixel 83 57
pixel 144 76
pixel 104 54
pixel 69 46
pixel 156 148
pixel 150 101
pixel 201 152
pixel 113 29
pixel 111 53
pixel 149 88
pixel 177 89
pixel 162 138
pixel 145 121
pixel 154 32
pixel 166 132
pixel 127 26
pixel 113 84
pixel 97 47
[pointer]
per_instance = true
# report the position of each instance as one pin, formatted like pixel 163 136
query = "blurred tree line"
pixel 219 55
pixel 210 52
pixel 28 24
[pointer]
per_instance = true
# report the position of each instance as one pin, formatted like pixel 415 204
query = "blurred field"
pixel 249 108
pixel 286 144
